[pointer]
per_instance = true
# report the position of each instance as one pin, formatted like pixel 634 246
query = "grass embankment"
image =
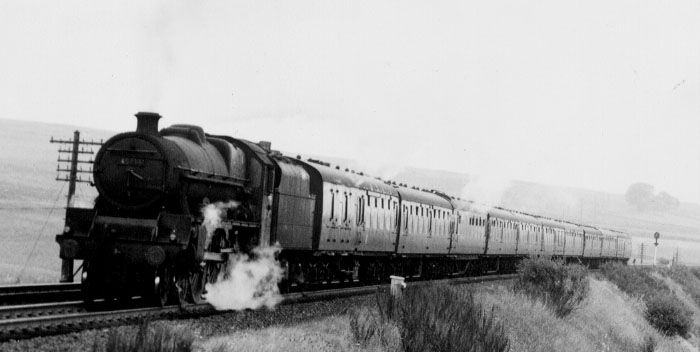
pixel 550 307
pixel 148 338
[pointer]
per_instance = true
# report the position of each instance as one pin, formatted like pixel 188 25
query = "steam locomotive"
pixel 145 235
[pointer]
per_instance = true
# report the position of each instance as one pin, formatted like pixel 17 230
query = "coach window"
pixel 345 209
pixel 405 220
pixel 332 204
pixel 362 215
pixel 397 225
pixel 430 222
pixel 360 205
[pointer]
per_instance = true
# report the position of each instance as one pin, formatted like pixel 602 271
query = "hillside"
pixel 32 201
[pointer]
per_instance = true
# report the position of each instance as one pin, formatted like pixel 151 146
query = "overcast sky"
pixel 594 94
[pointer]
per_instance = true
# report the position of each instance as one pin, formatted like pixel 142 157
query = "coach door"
pixel 454 230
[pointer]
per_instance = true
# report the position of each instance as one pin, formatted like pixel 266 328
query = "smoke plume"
pixel 487 189
pixel 249 281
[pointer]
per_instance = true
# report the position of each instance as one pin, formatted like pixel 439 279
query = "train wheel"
pixel 87 289
pixel 197 282
pixel 209 274
pixel 163 286
pixel 182 289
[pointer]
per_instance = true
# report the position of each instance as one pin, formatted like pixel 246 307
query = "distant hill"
pixel 31 205
pixel 31 200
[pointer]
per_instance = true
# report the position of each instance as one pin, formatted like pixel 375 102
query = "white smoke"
pixel 248 282
pixel 486 189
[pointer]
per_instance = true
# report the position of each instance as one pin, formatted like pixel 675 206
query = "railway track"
pixel 25 321
pixel 38 293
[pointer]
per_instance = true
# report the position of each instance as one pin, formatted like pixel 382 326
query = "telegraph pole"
pixel 641 254
pixel 69 152
pixel 74 149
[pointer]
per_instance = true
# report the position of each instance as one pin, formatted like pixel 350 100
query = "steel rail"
pixel 72 316
pixel 41 309
pixel 38 293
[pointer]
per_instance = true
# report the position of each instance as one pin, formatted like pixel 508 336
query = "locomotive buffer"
pixel 69 152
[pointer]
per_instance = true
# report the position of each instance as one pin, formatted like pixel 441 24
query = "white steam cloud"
pixel 486 189
pixel 248 282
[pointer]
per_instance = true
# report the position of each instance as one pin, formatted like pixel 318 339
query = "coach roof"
pixel 423 197
pixel 350 179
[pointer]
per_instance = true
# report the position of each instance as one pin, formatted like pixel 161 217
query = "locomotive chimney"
pixel 147 122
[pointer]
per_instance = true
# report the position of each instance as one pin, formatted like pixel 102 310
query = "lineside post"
pixel 398 284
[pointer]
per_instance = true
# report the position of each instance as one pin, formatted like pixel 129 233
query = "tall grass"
pixel 664 310
pixel 432 318
pixel 563 287
pixel 687 278
pixel 148 338
pixel 636 282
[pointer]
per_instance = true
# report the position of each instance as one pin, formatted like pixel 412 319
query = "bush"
pixel 155 338
pixel 558 285
pixel 433 318
pixel 669 315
